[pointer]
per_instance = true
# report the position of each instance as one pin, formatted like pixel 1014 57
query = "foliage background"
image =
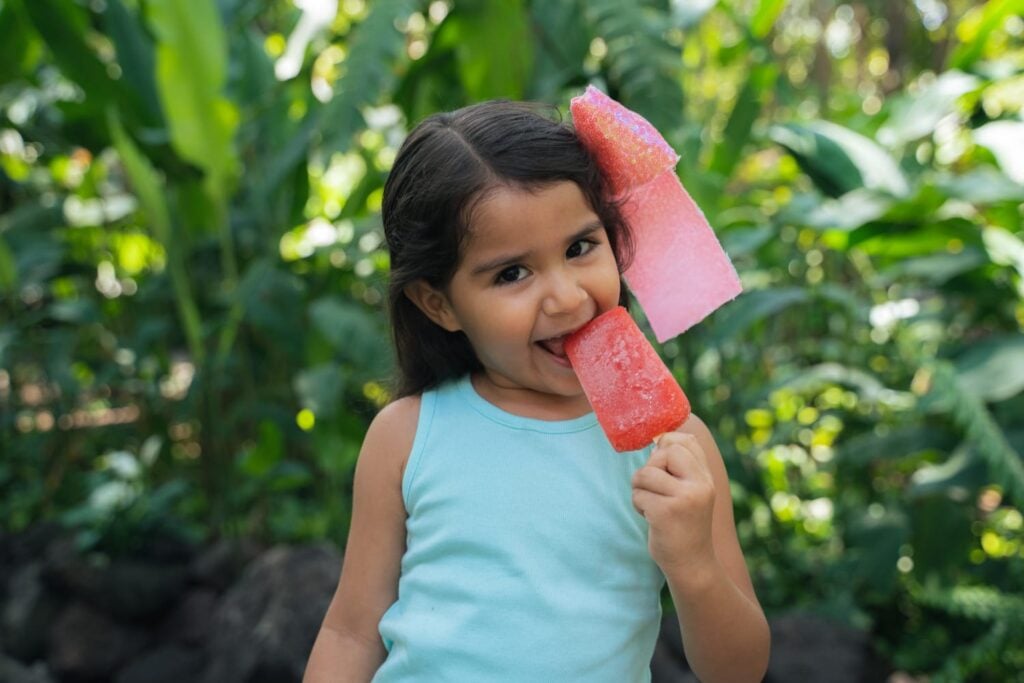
pixel 191 273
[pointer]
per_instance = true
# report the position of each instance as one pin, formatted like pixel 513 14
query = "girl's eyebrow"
pixel 502 261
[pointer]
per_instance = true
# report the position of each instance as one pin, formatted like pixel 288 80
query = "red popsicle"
pixel 634 395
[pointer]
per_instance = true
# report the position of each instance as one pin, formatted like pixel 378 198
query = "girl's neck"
pixel 529 403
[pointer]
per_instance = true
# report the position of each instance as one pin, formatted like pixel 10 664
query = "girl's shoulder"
pixel 390 436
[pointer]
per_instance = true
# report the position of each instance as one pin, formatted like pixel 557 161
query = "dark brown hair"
pixel 448 162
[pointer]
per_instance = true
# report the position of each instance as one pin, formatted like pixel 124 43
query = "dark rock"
pixel 265 626
pixel 86 645
pixel 165 664
pixel 27 614
pixel 128 589
pixel 12 671
pixel 812 649
pixel 222 563
pixel 189 622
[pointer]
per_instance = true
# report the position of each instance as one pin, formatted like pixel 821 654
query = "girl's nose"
pixel 564 295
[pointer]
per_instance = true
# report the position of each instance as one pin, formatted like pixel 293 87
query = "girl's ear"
pixel 433 303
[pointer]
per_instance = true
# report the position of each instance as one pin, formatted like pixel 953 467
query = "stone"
pixel 12 671
pixel 222 562
pixel 87 645
pixel 165 664
pixel 265 625
pixel 27 614
pixel 189 622
pixel 125 588
pixel 811 648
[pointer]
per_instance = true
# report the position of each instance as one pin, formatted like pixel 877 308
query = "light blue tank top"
pixel 525 560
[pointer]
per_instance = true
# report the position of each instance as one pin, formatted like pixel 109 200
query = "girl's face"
pixel 535 267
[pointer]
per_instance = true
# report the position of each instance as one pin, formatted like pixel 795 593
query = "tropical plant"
pixel 191 272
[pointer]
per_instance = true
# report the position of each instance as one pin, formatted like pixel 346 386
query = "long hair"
pixel 446 164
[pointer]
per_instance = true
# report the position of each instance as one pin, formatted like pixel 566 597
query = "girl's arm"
pixel 348 647
pixel 683 491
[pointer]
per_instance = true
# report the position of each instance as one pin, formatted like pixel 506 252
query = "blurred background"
pixel 192 275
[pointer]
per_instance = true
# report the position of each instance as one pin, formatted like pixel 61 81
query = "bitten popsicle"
pixel 634 395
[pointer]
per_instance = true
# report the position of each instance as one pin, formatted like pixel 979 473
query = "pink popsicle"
pixel 680 273
pixel 629 150
pixel 634 395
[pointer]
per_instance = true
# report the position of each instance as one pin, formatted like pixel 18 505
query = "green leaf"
pixel 764 17
pixel 847 212
pixel 320 388
pixel 375 48
pixel 839 160
pixel 20 48
pixel 993 369
pixel 904 441
pixel 958 477
pixel 561 44
pixel 266 454
pixel 983 432
pixel 191 67
pixel 751 308
pixel 149 188
pixel 975 30
pixel 982 185
pixel 135 56
pixel 688 13
pixel 64 26
pixel 936 269
pixel 8 268
pixel 354 334
pixel 825 374
pixel 495 55
pixel 1005 139
pixel 915 116
pixel 644 70
pixel 752 97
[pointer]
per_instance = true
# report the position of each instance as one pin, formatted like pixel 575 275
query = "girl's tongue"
pixel 555 346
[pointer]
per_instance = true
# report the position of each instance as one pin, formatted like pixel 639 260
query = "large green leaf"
pixel 903 441
pixel 993 369
pixel 1005 139
pixel 561 43
pixel 149 188
pixel 495 53
pixel 134 55
pixel 8 268
pixel 20 48
pixel 752 97
pixel 375 49
pixel 975 30
pixel 354 334
pixel 752 307
pixel 64 26
pixel 191 67
pixel 644 70
pixel 915 116
pixel 839 160
pixel 764 17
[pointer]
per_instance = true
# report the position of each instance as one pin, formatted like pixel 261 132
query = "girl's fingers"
pixel 655 479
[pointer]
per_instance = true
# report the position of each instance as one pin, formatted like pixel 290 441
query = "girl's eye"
pixel 510 275
pixel 580 247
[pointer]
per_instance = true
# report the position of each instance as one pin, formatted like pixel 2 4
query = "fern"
pixel 970 414
pixel 975 602
pixel 644 69
pixel 997 655
pixel 370 70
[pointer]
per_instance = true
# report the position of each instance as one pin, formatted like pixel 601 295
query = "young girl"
pixel 496 536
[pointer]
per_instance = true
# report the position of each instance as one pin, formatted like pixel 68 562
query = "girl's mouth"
pixel 555 346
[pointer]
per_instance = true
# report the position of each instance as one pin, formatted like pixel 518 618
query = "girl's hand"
pixel 675 492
